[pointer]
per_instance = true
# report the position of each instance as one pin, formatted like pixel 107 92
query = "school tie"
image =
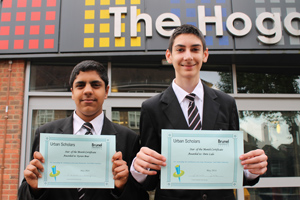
pixel 81 193
pixel 193 113
pixel 88 126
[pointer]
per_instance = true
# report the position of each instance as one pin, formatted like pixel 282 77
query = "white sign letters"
pixel 165 21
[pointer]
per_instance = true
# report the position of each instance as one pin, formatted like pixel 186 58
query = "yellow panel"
pixel 120 2
pixel 103 42
pixel 136 41
pixel 89 2
pixel 88 42
pixel 138 27
pixel 104 28
pixel 123 15
pixel 135 1
pixel 104 14
pixel 120 42
pixel 89 14
pixel 123 27
pixel 89 28
pixel 138 11
pixel 104 2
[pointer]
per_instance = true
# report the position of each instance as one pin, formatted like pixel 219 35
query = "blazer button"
pixel 204 197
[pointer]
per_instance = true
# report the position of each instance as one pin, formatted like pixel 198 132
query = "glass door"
pixel 273 124
pixel 42 110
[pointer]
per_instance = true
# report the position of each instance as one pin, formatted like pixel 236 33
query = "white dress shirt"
pixel 78 122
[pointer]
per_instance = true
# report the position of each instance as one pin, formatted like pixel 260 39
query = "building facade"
pixel 254 57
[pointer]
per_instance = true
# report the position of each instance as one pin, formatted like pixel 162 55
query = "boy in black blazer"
pixel 170 110
pixel 89 86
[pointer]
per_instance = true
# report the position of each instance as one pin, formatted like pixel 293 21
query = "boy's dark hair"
pixel 186 29
pixel 89 65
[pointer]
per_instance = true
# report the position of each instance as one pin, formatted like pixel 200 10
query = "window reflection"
pixel 132 77
pixel 127 117
pixel 50 78
pixel 218 77
pixel 277 132
pixel 272 193
pixel 268 79
pixel 155 78
pixel 141 78
pixel 41 117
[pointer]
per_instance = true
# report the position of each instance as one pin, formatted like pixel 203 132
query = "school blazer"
pixel 164 112
pixel 126 141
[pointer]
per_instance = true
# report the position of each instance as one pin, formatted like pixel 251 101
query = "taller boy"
pixel 169 110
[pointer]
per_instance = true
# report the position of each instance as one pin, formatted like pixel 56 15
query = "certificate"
pixel 77 161
pixel 202 159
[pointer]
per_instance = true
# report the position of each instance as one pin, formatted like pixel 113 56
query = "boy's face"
pixel 89 93
pixel 187 56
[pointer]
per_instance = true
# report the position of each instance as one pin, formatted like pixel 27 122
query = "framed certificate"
pixel 77 161
pixel 202 159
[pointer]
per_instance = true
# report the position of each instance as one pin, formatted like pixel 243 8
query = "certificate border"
pixel 168 134
pixel 110 143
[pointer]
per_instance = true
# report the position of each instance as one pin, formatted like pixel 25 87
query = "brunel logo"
pixel 94 145
pixel 223 141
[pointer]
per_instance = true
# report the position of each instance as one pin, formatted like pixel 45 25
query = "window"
pixel 268 79
pixel 134 119
pixel 277 133
pixel 48 78
pixel 129 117
pixel 218 77
pixel 272 193
pixel 41 117
pixel 151 78
pixel 141 78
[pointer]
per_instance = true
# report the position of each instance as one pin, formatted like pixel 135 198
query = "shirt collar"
pixel 96 122
pixel 181 93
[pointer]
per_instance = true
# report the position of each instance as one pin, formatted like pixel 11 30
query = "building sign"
pixel 140 25
pixel 90 25
pixel 29 26
pixel 278 20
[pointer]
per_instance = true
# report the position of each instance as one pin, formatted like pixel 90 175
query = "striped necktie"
pixel 88 126
pixel 81 193
pixel 193 113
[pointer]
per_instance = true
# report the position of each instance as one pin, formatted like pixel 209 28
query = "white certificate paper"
pixel 202 159
pixel 77 161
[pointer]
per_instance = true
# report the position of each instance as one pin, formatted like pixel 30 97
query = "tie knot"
pixel 190 96
pixel 88 126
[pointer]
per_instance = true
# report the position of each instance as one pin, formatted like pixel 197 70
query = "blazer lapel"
pixel 67 126
pixel 108 128
pixel 172 109
pixel 210 108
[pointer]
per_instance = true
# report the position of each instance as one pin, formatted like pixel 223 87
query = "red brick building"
pixel 11 115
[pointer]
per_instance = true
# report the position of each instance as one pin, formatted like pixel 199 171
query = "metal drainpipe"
pixel 5 126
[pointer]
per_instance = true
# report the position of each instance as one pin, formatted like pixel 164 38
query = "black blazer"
pixel 126 141
pixel 164 112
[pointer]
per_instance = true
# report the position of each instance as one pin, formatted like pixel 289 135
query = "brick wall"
pixel 12 126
